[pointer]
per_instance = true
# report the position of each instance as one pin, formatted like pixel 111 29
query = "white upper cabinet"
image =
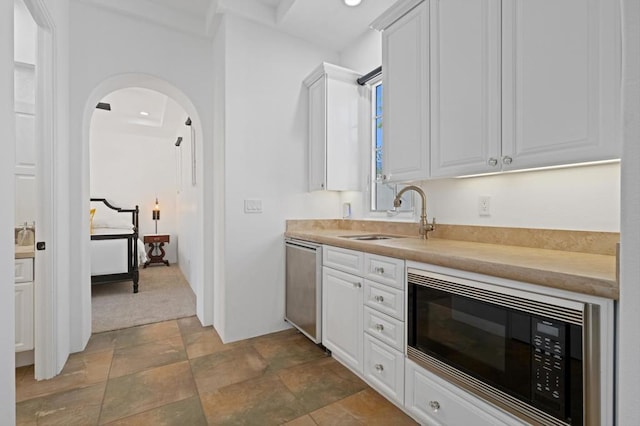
pixel 334 154
pixel 405 65
pixel 560 82
pixel 465 86
pixel 509 85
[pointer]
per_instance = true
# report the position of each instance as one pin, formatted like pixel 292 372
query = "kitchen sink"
pixel 369 237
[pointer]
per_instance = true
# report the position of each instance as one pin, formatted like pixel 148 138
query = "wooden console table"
pixel 156 243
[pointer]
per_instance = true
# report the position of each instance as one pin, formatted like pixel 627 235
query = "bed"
pixel 116 250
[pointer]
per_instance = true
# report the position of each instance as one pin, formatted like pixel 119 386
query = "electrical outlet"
pixel 484 205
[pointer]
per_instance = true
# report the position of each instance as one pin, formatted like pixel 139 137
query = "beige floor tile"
pixel 212 372
pixel 265 401
pixel 149 389
pixel 287 349
pixel 364 408
pixel 305 420
pixel 187 412
pixel 191 325
pixel 315 384
pixel 81 370
pixel 208 342
pixel 74 407
pixel 132 359
pixel 101 342
pixel 146 333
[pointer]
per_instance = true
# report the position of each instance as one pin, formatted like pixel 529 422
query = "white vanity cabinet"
pixel 23 279
pixel 334 154
pixel 508 85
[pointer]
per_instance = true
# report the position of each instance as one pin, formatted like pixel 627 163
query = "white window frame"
pixel 408 215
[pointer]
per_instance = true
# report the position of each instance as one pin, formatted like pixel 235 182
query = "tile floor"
pixel 179 373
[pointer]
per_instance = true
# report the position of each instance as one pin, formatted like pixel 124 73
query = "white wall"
pixel 132 164
pixel 365 54
pixel 7 348
pixel 107 48
pixel 265 158
pixel 186 204
pixel 580 198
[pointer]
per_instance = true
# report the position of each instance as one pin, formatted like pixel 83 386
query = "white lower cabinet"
pixel 23 279
pixel 384 368
pixel 342 316
pixel 436 402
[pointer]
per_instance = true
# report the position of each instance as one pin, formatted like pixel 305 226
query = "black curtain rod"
pixel 369 76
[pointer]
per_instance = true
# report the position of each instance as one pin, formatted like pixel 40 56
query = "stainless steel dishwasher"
pixel 303 308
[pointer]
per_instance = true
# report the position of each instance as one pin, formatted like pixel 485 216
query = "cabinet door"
pixel 342 316
pixel 561 82
pixel 405 66
pixel 317 134
pixel 24 316
pixel 465 86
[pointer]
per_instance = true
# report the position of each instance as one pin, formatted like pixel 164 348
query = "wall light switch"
pixel 253 206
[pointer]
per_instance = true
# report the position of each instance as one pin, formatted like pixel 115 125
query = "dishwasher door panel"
pixel 303 289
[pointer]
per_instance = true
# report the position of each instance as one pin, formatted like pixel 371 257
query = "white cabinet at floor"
pixel 23 278
pixel 363 319
pixel 334 154
pixel 436 402
pixel 342 310
pixel 405 65
pixel 513 85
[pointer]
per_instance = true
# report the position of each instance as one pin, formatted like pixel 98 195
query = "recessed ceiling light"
pixel 145 113
pixel 352 2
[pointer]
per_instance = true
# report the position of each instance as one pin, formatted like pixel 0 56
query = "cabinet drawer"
pixel 385 299
pixel 436 402
pixel 23 316
pixel 349 261
pixel 385 328
pixel 386 270
pixel 384 368
pixel 23 270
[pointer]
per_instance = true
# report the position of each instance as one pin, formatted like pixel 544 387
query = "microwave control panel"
pixel 549 362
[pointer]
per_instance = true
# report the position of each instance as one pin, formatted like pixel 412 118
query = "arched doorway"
pixel 144 81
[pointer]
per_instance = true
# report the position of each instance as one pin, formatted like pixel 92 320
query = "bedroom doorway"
pixel 143 150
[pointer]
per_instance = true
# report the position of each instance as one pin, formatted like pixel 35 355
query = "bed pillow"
pixel 107 218
pixel 92 213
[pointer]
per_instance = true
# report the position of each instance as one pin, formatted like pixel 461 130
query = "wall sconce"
pixel 156 214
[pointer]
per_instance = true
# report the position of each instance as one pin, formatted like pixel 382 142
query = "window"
pixel 382 193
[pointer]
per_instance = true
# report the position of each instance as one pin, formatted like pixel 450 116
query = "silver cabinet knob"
pixel 379 299
pixel 379 270
pixel 435 406
pixel 379 327
pixel 492 162
pixel 379 368
pixel 507 160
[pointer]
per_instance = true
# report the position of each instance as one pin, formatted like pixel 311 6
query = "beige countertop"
pixel 587 273
pixel 24 252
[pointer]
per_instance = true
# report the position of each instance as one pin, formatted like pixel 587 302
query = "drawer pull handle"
pixel 357 285
pixel 379 368
pixel 379 299
pixel 379 270
pixel 379 327
pixel 435 406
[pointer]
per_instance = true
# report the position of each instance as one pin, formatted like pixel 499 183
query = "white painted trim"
pixel 395 12
pixel 46 326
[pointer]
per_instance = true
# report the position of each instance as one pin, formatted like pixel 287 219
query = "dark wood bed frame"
pixel 132 248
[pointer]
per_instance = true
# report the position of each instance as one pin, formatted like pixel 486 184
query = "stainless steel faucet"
pixel 425 227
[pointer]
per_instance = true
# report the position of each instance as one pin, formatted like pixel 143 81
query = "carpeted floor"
pixel 164 294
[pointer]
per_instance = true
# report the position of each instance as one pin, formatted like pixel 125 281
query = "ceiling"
pixel 326 23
